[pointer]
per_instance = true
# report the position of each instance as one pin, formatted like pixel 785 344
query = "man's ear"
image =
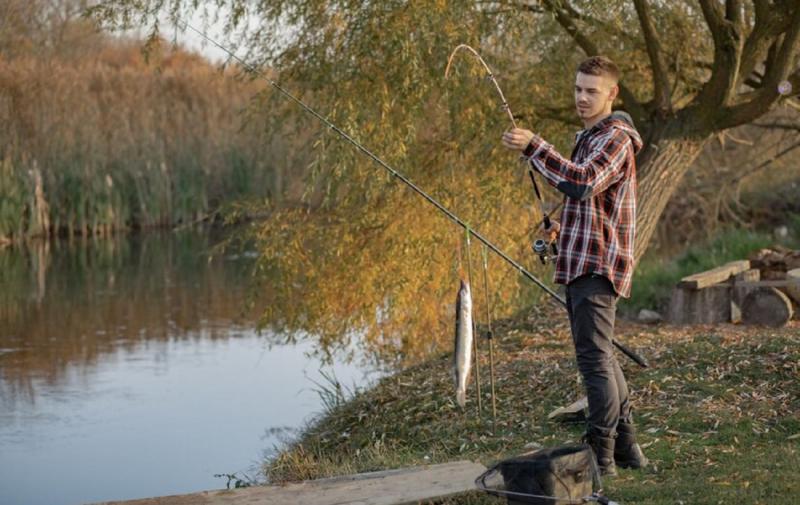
pixel 614 92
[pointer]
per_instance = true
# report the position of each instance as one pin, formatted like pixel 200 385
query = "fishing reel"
pixel 546 249
pixel 545 253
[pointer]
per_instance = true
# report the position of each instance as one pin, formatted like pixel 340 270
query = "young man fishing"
pixel 595 243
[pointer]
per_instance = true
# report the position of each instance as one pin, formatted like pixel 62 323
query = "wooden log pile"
pixel 763 290
pixel 775 263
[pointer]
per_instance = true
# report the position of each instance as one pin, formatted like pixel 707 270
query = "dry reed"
pixel 106 141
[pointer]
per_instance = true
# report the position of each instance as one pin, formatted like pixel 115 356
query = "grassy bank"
pixel 718 412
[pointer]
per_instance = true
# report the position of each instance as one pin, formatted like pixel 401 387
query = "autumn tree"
pixel 693 68
pixel 375 68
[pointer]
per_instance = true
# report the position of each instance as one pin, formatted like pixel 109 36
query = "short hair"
pixel 599 65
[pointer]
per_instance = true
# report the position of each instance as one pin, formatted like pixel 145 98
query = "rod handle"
pixel 632 355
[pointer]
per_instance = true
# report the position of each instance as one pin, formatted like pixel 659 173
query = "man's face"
pixel 594 95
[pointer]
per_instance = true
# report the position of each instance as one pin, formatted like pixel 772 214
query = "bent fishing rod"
pixel 521 269
pixel 539 247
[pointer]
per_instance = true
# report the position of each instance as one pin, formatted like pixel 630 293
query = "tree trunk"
pixel 660 168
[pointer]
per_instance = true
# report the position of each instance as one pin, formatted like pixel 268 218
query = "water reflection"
pixel 64 303
pixel 131 368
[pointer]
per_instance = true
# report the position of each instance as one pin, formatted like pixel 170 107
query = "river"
pixel 131 367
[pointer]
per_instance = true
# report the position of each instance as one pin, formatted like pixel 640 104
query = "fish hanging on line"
pixel 462 362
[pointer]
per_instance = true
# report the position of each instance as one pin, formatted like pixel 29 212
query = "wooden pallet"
pixel 391 487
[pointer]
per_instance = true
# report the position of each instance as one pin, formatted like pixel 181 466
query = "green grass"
pixel 82 201
pixel 655 276
pixel 717 415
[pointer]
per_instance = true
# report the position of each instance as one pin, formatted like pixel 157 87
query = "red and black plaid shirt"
pixel 599 216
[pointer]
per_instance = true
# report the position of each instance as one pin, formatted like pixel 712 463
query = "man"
pixel 595 242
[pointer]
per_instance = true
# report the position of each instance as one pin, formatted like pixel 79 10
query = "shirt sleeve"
pixel 603 166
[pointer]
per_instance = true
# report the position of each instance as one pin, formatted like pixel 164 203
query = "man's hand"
pixel 551 234
pixel 517 138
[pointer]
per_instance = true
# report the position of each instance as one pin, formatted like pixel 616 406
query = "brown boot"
pixel 603 448
pixel 627 453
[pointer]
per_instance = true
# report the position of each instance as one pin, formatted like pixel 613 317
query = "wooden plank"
pixel 392 487
pixel 714 276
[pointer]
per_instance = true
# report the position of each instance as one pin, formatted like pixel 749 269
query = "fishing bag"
pixel 556 476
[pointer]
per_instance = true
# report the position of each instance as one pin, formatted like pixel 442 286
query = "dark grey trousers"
pixel 591 304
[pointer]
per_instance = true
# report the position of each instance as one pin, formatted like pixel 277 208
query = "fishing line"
pixel 489 334
pixel 507 109
pixel 474 329
pixel 470 231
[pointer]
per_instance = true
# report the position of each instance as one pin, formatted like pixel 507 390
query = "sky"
pixel 188 38
pixel 195 42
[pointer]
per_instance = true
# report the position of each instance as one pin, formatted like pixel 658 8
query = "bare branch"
pixel 794 80
pixel 778 126
pixel 713 18
pixel 768 25
pixel 568 23
pixel 661 86
pixel 792 104
pixel 734 12
pixel 720 87
pixel 778 68
pixel 767 162
pixel 786 55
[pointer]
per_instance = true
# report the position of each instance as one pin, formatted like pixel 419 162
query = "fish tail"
pixel 461 397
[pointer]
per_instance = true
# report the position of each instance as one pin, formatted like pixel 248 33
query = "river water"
pixel 130 368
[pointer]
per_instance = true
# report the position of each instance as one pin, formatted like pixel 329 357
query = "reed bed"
pixel 106 141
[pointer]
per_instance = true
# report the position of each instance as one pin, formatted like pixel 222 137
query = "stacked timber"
pixel 775 263
pixel 764 290
pixel 705 297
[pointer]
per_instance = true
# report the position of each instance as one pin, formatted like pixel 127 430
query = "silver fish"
pixel 462 361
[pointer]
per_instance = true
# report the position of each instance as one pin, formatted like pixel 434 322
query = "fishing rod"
pixel 521 269
pixel 539 246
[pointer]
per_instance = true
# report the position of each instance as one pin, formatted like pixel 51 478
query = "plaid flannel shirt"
pixel 599 216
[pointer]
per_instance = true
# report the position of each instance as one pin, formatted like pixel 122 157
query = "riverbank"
pixel 718 413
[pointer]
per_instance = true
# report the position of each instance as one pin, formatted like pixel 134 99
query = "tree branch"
pixel 792 104
pixel 586 18
pixel 786 55
pixel 720 87
pixel 713 19
pixel 661 86
pixel 734 12
pixel 778 126
pixel 766 162
pixel 778 68
pixel 768 25
pixel 794 80
pixel 633 106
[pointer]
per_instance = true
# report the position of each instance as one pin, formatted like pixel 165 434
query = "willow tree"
pixel 694 68
pixel 375 68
